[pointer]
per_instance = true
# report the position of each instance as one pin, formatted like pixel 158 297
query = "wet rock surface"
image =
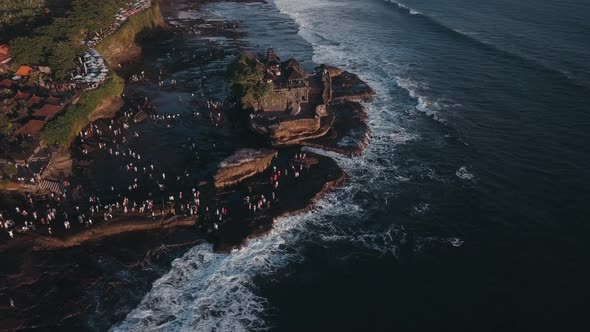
pixel 301 183
pixel 243 164
pixel 348 86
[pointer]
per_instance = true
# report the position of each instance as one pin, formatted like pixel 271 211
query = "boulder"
pixel 243 164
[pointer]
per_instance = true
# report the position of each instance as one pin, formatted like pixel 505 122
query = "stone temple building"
pixel 293 88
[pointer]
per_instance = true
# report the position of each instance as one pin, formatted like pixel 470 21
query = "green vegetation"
pixel 8 171
pixel 245 76
pixel 5 125
pixel 126 36
pixel 20 11
pixel 65 127
pixel 57 44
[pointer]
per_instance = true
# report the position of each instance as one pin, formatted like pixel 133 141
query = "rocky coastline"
pixel 337 123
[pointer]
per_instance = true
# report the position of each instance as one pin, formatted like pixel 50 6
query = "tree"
pixel 245 75
pixel 260 90
pixel 62 60
pixel 244 70
pixel 9 170
pixel 5 125
pixel 29 50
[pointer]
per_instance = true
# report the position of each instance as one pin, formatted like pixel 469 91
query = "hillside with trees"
pixel 57 44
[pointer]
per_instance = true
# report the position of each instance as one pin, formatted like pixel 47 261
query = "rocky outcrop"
pixel 242 165
pixel 348 86
pixel 322 111
pixel 349 134
pixel 292 131
pixel 122 46
pixel 107 109
pixel 320 175
pixel 60 166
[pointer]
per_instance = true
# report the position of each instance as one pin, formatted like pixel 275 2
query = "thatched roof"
pixel 271 58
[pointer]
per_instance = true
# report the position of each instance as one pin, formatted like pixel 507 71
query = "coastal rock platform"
pixel 349 134
pixel 243 164
pixel 318 175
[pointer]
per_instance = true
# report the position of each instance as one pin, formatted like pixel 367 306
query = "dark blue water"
pixel 467 212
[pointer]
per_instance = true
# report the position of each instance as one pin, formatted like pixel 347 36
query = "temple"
pixel 301 105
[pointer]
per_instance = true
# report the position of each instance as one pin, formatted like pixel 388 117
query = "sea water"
pixel 468 211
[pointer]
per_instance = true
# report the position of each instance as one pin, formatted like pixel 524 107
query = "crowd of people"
pixel 146 190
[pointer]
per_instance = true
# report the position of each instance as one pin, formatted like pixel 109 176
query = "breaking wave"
pixel 405 8
pixel 482 42
pixel 464 174
pixel 206 291
pixel 425 104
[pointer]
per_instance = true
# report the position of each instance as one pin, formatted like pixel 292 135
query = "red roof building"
pixel 4 54
pixel 22 96
pixel 48 111
pixel 32 127
pixel 52 100
pixel 7 83
pixel 36 99
pixel 24 71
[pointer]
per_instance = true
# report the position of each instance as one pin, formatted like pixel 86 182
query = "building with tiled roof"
pixel 52 100
pixel 272 60
pixel 32 127
pixel 36 99
pixel 7 83
pixel 22 96
pixel 24 71
pixel 48 111
pixel 4 54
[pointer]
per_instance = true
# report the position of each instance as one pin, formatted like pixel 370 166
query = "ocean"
pixel 467 212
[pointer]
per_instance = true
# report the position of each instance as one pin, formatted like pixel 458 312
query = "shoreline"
pixel 76 255
pixel 348 116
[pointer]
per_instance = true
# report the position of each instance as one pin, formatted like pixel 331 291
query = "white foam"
pixel 456 242
pixel 425 104
pixel 205 291
pixel 464 174
pixel 421 208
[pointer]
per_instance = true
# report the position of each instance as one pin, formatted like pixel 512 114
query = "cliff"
pixel 122 46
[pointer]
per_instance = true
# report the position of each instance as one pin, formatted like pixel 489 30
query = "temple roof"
pixel 271 58
pixel 293 70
